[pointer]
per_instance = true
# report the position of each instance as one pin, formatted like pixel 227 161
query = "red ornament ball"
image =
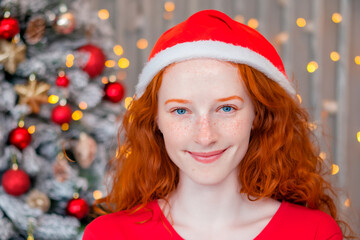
pixel 96 63
pixel 114 92
pixel 78 208
pixel 15 182
pixel 62 81
pixel 61 114
pixel 20 138
pixel 9 27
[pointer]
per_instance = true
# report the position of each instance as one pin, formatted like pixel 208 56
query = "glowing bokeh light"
pixel 103 14
pixel 118 50
pixel 53 99
pixel 97 194
pixel 358 136
pixel 142 43
pixel 65 127
pixel 127 102
pixel 301 22
pixel 357 60
pixel 109 63
pixel 169 6
pixel 299 98
pixel 83 105
pixel 123 63
pixel 312 66
pixel 335 169
pixel 239 18
pixel 253 23
pixel 336 17
pixel 31 129
pixel 335 56
pixel 77 115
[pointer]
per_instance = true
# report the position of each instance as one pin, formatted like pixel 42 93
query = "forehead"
pixel 199 75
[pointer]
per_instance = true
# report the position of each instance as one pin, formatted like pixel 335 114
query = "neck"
pixel 218 204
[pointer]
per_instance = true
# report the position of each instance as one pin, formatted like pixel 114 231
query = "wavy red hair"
pixel 282 161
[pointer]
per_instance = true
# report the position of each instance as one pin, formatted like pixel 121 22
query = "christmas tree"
pixel 59 114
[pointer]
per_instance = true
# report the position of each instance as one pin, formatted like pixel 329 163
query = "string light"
pixel 239 18
pixel 312 66
pixel 109 63
pixel 70 60
pixel 335 169
pixel 322 155
pixel 104 80
pixel 127 102
pixel 301 22
pixel 358 136
pixel 103 14
pixel 53 99
pixel 347 202
pixel 357 60
pixel 142 43
pixel 253 23
pixel 123 63
pixel 118 50
pixel 112 78
pixel 77 115
pixel 21 123
pixel 83 105
pixel 31 129
pixel 97 194
pixel 335 56
pixel 336 17
pixel 65 127
pixel 169 6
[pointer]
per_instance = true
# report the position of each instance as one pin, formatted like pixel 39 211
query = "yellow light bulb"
pixel 312 66
pixel 335 169
pixel 123 63
pixel 110 63
pixel 77 115
pixel 69 64
pixel 253 23
pixel 70 57
pixel 83 105
pixel 358 136
pixel 142 43
pixel 103 14
pixel 65 127
pixel 357 60
pixel 169 6
pixel 31 129
pixel 301 22
pixel 21 123
pixel 97 194
pixel 335 56
pixel 53 99
pixel 336 17
pixel 127 102
pixel 118 50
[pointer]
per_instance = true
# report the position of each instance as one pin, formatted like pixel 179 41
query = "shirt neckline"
pixel 266 229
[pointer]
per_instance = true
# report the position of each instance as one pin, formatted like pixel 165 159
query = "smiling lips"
pixel 208 157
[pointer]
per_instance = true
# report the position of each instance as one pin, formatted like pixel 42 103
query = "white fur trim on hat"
pixel 210 49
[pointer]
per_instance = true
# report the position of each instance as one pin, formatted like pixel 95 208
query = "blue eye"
pixel 227 108
pixel 180 111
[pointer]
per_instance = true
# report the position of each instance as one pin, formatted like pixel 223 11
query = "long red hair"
pixel 282 161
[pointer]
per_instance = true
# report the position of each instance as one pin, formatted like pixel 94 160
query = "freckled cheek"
pixel 178 129
pixel 231 126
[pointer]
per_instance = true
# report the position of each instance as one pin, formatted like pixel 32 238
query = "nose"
pixel 205 132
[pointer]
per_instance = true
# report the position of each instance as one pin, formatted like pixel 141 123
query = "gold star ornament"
pixel 11 54
pixel 33 93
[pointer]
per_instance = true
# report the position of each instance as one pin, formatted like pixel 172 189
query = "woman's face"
pixel 205 115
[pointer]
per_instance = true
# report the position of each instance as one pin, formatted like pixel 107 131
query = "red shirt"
pixel 289 222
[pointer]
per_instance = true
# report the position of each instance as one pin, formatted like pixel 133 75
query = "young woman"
pixel 215 145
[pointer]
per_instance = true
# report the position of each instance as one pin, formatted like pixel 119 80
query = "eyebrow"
pixel 219 100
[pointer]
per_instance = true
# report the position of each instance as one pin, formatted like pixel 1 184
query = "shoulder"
pixel 315 222
pixel 119 225
pixel 298 222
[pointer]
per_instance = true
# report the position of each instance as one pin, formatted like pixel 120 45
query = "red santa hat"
pixel 213 34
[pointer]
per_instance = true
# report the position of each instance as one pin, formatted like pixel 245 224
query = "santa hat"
pixel 213 34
